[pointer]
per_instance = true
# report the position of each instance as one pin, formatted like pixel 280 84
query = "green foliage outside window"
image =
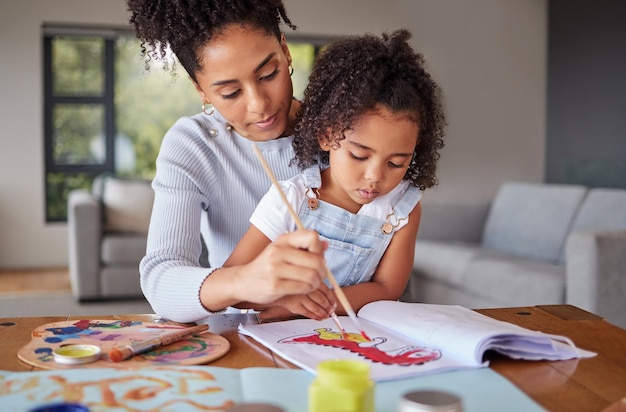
pixel 146 103
pixel 302 55
pixel 77 133
pixel 77 64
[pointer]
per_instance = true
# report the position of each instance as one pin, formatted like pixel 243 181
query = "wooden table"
pixel 577 385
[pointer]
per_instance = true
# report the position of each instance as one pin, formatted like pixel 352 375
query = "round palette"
pixel 107 334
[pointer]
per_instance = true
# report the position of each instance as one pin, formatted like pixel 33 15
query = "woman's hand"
pixel 260 272
pixel 291 265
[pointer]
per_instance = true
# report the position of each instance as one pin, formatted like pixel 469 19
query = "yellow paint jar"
pixel 76 354
pixel 342 386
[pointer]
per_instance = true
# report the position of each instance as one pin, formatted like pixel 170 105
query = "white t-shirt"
pixel 273 219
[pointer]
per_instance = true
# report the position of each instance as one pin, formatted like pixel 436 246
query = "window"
pixel 105 113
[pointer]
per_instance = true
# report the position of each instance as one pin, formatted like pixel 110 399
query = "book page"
pixel 307 342
pixel 466 333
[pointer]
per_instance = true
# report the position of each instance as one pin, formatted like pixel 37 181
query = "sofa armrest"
pixel 84 230
pixel 596 273
pixel 453 221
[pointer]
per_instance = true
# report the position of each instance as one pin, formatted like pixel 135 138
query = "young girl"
pixel 208 180
pixel 368 137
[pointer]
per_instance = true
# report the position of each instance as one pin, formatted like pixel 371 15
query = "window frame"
pixel 109 35
pixel 106 100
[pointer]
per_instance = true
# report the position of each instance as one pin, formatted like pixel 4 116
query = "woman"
pixel 208 180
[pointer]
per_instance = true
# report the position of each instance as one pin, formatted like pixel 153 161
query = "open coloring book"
pixel 409 339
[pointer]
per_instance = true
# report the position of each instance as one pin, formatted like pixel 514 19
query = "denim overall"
pixel 356 243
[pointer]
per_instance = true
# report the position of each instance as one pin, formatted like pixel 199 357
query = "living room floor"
pixel 47 292
pixel 29 281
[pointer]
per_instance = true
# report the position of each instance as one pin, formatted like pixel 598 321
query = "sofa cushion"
pixel 122 249
pixel 514 281
pixel 489 275
pixel 532 219
pixel 444 261
pixel 127 204
pixel 602 209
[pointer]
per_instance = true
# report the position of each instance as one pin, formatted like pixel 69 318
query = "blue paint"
pixel 45 351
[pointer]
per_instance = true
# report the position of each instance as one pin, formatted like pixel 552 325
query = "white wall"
pixel 489 57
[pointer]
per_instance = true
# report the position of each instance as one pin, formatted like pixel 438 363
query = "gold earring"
pixel 290 70
pixel 210 107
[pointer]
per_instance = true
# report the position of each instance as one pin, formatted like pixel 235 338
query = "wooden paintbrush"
pixel 340 295
pixel 124 352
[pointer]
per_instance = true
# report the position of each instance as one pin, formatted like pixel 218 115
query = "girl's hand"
pixel 315 305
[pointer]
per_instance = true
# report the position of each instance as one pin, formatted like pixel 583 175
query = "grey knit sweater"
pixel 208 182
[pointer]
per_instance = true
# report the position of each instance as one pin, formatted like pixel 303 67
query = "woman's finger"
pixel 302 239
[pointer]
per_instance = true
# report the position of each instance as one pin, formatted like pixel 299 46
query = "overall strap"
pixel 313 177
pixel 408 201
pixel 402 209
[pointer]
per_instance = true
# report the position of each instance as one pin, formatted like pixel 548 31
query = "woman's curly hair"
pixel 355 75
pixel 186 25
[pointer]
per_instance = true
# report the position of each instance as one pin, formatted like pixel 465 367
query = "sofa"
pixel 532 244
pixel 107 230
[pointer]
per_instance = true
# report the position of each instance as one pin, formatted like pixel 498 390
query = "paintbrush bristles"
pixel 340 295
pixel 120 354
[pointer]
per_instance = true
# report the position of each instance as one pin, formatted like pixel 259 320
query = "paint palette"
pixel 107 334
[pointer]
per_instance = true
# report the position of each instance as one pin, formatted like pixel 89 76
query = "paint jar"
pixel 76 354
pixel 430 401
pixel 342 385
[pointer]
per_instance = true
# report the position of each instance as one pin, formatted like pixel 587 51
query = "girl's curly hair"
pixel 186 25
pixel 353 76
